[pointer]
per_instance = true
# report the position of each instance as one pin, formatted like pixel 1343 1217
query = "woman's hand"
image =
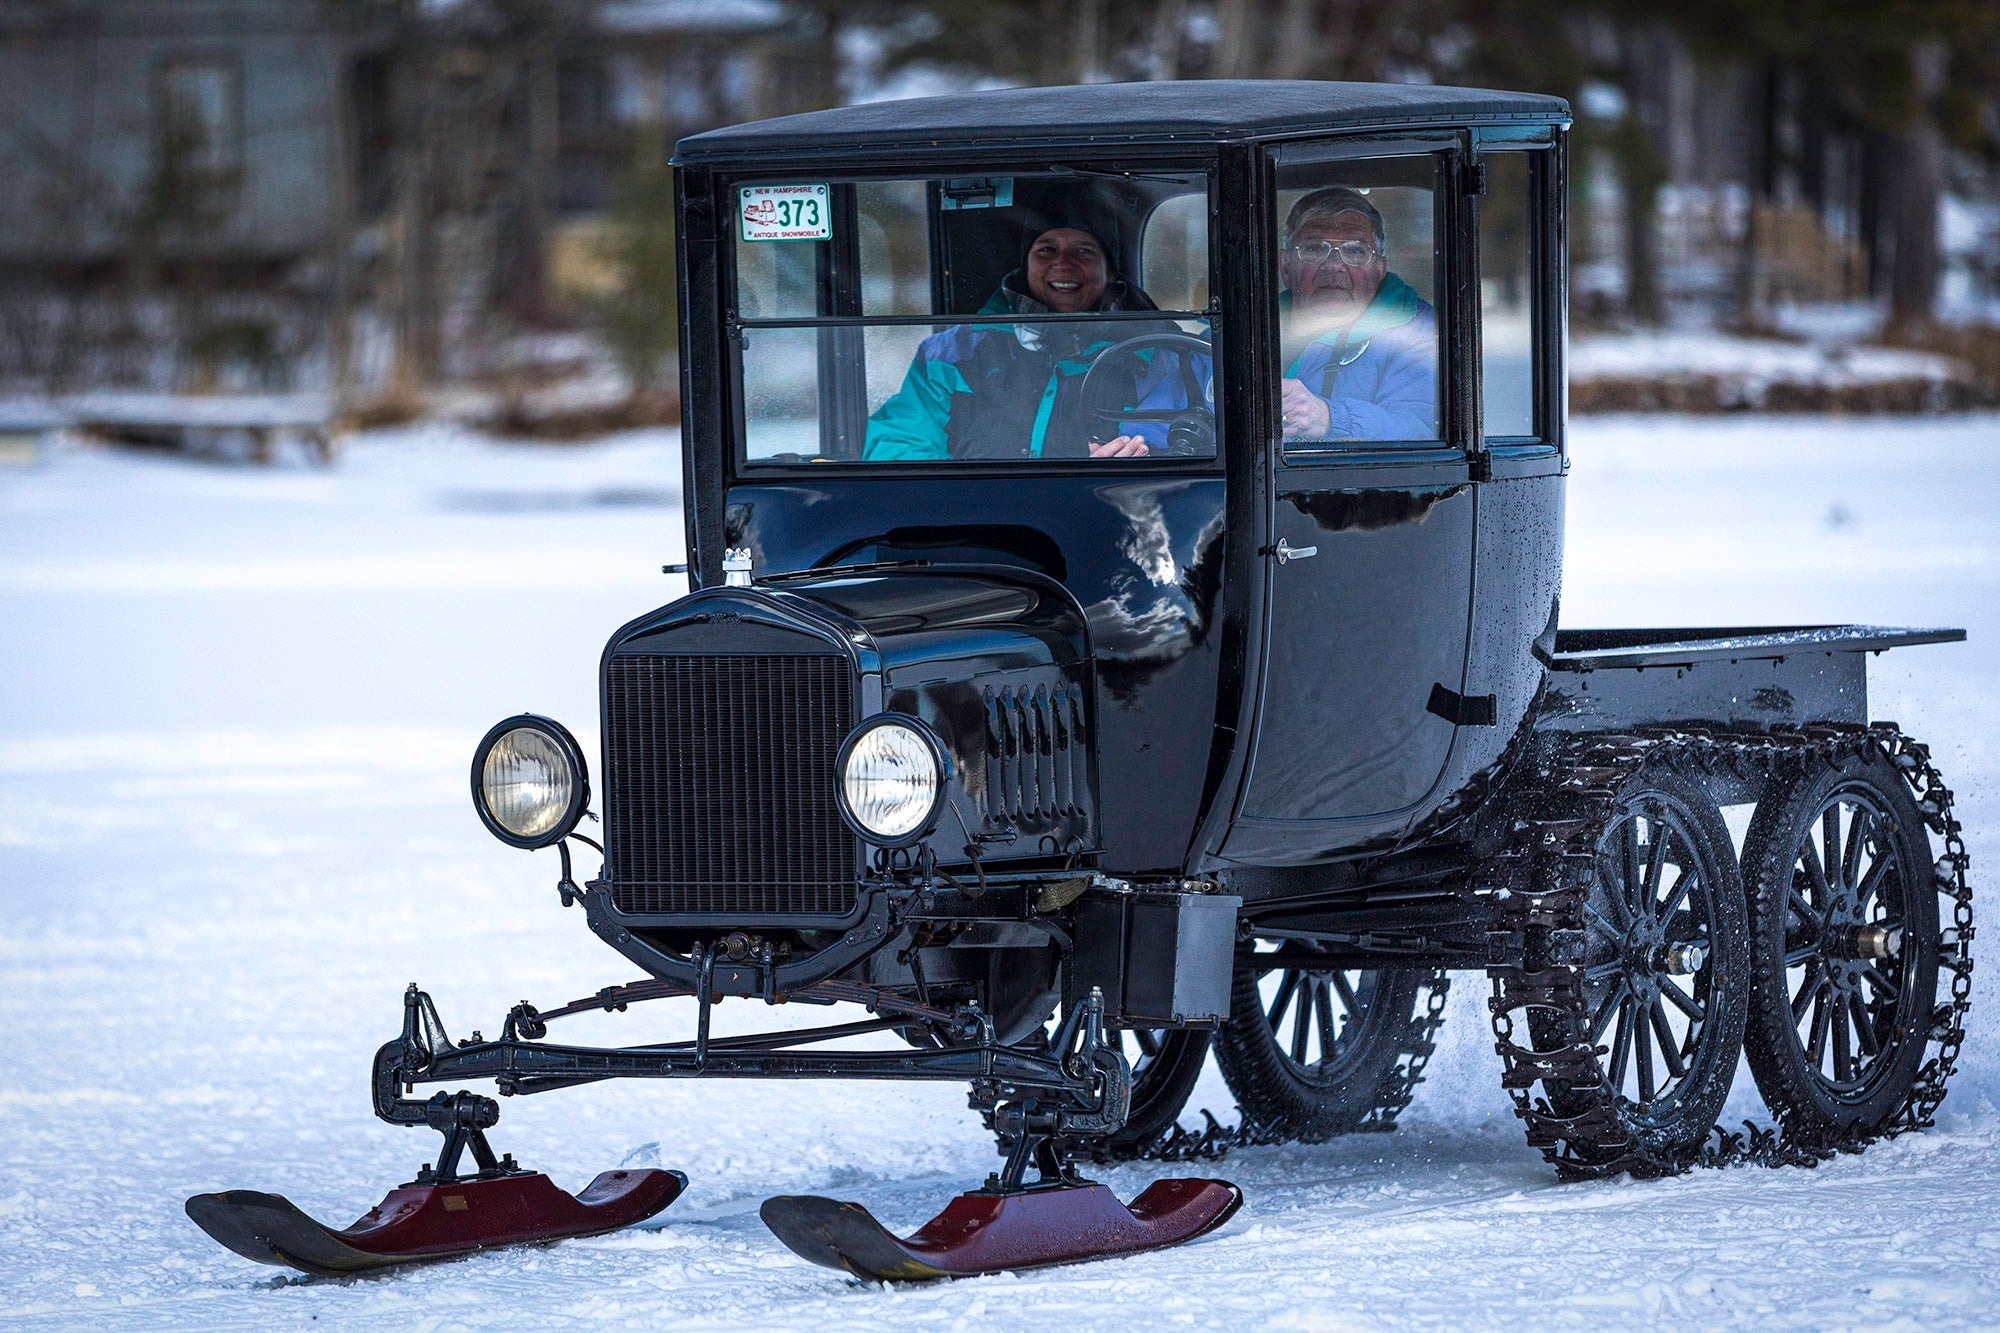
pixel 1307 417
pixel 1125 446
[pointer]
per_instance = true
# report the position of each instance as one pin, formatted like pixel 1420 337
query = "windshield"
pixel 1057 315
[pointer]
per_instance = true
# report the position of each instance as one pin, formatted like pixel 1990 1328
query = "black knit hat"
pixel 1078 214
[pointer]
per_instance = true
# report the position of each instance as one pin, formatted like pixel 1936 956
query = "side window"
pixel 777 279
pixel 895 248
pixel 1359 265
pixel 1175 254
pixel 198 109
pixel 1507 297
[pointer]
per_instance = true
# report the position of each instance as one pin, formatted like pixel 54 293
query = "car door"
pixel 1371 499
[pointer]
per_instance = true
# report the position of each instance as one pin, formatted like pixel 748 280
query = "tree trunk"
pixel 1641 170
pixel 525 279
pixel 1237 49
pixel 1877 186
pixel 1089 40
pixel 1813 113
pixel 1169 28
pixel 414 294
pixel 1297 35
pixel 342 225
pixel 1919 177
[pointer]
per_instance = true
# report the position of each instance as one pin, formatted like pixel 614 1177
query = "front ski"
pixel 998 1230
pixel 442 1213
pixel 422 1222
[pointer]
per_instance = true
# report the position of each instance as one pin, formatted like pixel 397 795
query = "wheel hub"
pixel 1682 959
pixel 1845 944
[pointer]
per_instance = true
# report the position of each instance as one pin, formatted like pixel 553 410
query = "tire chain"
pixel 1399 1087
pixel 1541 880
pixel 1947 1030
pixel 1419 1044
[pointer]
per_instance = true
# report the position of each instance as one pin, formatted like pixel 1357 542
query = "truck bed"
pixel 1591 649
pixel 1783 676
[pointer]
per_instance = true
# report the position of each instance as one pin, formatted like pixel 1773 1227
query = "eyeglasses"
pixel 1352 253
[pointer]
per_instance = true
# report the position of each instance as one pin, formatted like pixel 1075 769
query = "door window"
pixel 1359 267
pixel 1507 297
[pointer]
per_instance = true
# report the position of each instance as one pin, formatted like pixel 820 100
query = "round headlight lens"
pixel 527 783
pixel 529 780
pixel 890 780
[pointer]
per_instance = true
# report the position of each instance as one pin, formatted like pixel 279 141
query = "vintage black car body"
pixel 1257 735
pixel 1246 720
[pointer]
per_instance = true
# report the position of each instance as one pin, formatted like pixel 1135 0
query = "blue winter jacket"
pixel 1379 374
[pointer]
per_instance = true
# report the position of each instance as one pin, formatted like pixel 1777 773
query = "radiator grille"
pixel 719 784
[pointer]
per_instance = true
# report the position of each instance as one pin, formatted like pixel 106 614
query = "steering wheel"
pixel 1190 429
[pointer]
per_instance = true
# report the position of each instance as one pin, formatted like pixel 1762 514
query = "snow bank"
pixel 1705 371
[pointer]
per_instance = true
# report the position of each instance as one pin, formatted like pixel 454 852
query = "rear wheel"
pixel 1636 1041
pixel 1667 962
pixel 1845 921
pixel 1314 1051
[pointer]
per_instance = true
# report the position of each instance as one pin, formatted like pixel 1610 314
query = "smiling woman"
pixel 1067 270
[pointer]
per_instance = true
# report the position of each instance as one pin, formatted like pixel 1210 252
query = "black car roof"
pixel 1189 110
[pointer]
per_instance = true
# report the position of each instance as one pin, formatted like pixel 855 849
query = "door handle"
pixel 1286 552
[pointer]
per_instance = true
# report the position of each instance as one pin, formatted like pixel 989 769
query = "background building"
pixel 381 196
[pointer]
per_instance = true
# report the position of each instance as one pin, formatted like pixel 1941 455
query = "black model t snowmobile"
pixel 1125 526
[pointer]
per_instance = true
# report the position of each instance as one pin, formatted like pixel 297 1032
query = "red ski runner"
pixel 442 1213
pixel 421 1222
pixel 996 1231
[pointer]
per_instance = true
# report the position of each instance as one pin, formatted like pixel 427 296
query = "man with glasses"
pixel 1359 344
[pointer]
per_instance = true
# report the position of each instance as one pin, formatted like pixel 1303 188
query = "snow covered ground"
pixel 236 709
pixel 1704 351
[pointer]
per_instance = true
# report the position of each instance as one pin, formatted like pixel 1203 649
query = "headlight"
pixel 528 781
pixel 892 774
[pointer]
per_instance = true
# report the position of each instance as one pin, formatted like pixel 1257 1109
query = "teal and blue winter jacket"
pixel 1379 374
pixel 1001 390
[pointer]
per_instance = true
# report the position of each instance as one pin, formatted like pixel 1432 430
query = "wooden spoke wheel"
pixel 1313 1051
pixel 1845 919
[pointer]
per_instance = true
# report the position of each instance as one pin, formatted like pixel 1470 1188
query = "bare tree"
pixel 1169 37
pixel 1919 177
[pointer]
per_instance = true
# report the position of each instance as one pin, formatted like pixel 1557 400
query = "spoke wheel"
pixel 1666 965
pixel 1165 1064
pixel 1311 1052
pixel 1846 930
